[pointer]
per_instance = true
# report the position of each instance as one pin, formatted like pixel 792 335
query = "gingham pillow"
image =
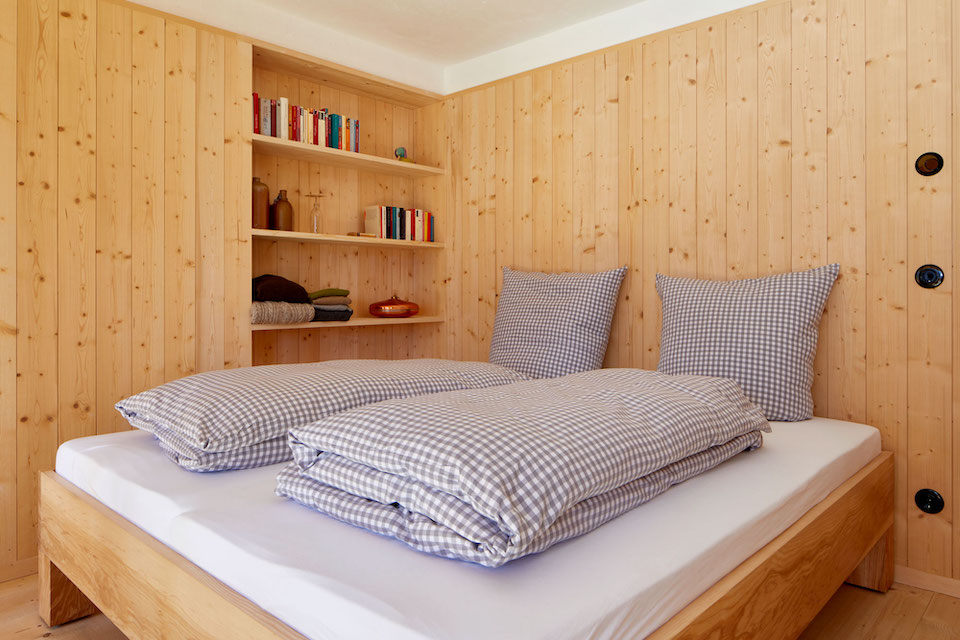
pixel 760 332
pixel 239 418
pixel 554 324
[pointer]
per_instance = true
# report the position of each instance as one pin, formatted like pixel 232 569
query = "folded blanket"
pixel 238 418
pixel 321 315
pixel 322 293
pixel 280 313
pixel 332 300
pixel 270 288
pixel 331 307
pixel 492 475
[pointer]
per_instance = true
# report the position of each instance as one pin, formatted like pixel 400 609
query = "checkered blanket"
pixel 494 474
pixel 238 418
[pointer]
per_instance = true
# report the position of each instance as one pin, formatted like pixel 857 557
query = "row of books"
pixel 280 119
pixel 398 223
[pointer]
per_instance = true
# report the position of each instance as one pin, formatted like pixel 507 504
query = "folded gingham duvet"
pixel 239 418
pixel 494 474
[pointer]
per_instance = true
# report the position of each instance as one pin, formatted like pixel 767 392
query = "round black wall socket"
pixel 929 501
pixel 929 163
pixel 929 276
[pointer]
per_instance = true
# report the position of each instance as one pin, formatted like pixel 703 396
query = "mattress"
pixel 330 580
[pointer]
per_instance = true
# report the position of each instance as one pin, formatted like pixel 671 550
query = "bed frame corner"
pixel 875 572
pixel 60 600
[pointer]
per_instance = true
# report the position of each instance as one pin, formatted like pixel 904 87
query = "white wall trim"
pixel 619 26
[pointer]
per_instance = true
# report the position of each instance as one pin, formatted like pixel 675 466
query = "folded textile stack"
pixel 331 305
pixel 280 313
pixel 277 300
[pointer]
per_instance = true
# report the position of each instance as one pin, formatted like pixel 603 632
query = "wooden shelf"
pixel 326 238
pixel 337 158
pixel 355 321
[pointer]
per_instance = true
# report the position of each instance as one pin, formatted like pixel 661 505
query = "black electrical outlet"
pixel 929 501
pixel 929 163
pixel 929 276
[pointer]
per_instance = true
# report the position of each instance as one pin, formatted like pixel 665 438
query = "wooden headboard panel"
pixel 774 138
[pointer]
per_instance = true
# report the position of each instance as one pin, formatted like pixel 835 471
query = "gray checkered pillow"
pixel 761 332
pixel 554 324
pixel 238 418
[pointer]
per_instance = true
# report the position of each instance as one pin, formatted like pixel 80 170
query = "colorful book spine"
pixel 356 136
pixel 430 238
pixel 256 112
pixel 273 118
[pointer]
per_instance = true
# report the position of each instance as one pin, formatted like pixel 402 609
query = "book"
pixel 264 116
pixel 371 221
pixel 283 113
pixel 408 224
pixel 273 118
pixel 256 112
pixel 356 136
pixel 418 225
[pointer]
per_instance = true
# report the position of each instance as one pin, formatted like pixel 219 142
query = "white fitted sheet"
pixel 330 580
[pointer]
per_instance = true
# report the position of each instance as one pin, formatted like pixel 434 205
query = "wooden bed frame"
pixel 93 559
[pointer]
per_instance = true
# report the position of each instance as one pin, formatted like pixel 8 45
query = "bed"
pixel 168 553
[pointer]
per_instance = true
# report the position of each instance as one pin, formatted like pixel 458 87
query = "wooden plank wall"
pixel 341 195
pixel 124 235
pixel 774 138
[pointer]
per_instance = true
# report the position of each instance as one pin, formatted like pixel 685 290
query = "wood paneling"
pixel 179 200
pixel 655 132
pixel 775 138
pixel 148 200
pixel 103 160
pixel 887 276
pixel 77 218
pixel 37 146
pixel 114 222
pixel 711 151
pixel 9 255
pixel 210 201
pixel 238 168
pixel 929 311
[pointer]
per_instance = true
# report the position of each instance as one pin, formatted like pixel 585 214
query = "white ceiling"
pixel 449 31
pixel 445 45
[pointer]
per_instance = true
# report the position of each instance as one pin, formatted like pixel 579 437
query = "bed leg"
pixel 876 570
pixel 60 600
